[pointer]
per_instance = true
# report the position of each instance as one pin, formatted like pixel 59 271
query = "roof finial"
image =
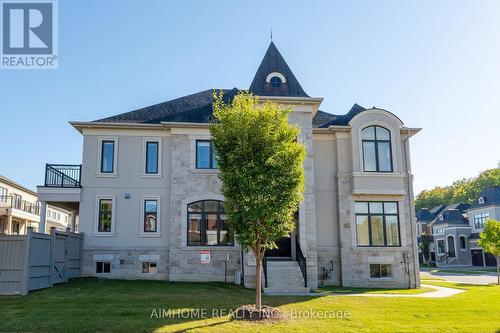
pixel 271 34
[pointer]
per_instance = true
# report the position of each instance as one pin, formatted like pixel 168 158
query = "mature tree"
pixel 490 241
pixel 464 190
pixel 260 164
pixel 424 247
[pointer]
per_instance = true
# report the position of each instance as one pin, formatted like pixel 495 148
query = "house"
pixel 486 205
pixel 149 202
pixel 19 209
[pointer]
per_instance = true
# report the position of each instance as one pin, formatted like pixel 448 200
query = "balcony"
pixel 12 201
pixel 63 175
pixel 62 187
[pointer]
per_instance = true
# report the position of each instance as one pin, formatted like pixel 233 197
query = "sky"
pixel 435 64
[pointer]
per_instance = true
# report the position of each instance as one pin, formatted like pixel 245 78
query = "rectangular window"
pixel 369 156
pixel 102 267
pixel 152 157
pixel 3 194
pixel 205 155
pixel 480 220
pixel 207 224
pixel 378 271
pixel 107 156
pixel 150 215
pixel 105 215
pixel 149 267
pixel 377 223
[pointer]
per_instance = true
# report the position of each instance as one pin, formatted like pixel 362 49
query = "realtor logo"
pixel 29 34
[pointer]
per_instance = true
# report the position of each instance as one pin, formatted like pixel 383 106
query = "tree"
pixel 260 164
pixel 424 246
pixel 490 241
pixel 464 190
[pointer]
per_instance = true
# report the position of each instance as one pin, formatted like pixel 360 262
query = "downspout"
pixel 412 213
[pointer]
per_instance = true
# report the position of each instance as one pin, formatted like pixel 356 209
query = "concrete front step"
pixel 284 277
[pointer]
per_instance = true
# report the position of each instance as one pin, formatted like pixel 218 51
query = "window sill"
pixel 151 175
pixel 382 279
pixel 103 234
pixel 106 175
pixel 378 174
pixel 376 247
pixel 209 171
pixel 207 248
pixel 150 235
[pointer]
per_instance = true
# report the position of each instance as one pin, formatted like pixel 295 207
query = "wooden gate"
pixel 59 268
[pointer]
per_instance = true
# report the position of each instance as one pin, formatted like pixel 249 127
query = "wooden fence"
pixel 37 261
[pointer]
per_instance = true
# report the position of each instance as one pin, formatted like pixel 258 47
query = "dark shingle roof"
pixel 491 196
pixel 461 206
pixel 424 215
pixel 438 209
pixel 474 235
pixel 273 62
pixel 451 216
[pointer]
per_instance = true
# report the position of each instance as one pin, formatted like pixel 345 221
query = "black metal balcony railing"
pixel 63 175
pixel 17 203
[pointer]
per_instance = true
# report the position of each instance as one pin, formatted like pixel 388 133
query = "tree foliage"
pixel 260 164
pixel 464 190
pixel 490 241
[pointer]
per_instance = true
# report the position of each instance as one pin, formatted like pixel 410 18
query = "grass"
pixel 343 290
pixel 92 305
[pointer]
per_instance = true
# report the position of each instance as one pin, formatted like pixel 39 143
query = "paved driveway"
pixel 485 278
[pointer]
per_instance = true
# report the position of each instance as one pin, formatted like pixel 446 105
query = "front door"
pixel 284 249
pixel 477 257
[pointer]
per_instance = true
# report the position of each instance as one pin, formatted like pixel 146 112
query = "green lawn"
pixel 343 290
pixel 90 305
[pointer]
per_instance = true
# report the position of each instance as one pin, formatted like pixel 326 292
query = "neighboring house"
pixel 450 231
pixel 486 205
pixel 150 206
pixel 423 219
pixel 19 209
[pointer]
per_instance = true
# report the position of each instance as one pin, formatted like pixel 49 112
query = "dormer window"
pixel 275 80
pixel 441 218
pixel 481 200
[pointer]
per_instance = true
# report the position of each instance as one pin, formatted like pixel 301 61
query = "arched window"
pixel 451 246
pixel 463 245
pixel 377 151
pixel 207 224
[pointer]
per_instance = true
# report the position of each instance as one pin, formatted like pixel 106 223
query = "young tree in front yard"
pixel 260 164
pixel 490 241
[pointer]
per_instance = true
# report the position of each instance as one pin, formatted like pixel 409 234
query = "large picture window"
pixel 377 223
pixel 480 220
pixel 107 156
pixel 105 215
pixel 207 224
pixel 377 151
pixel 205 155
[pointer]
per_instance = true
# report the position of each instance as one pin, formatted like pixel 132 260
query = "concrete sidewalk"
pixel 481 279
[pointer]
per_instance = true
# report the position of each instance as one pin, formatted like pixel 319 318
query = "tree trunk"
pixel 258 283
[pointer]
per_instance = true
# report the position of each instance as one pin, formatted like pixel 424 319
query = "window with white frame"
pixel 102 267
pixel 480 220
pixel 3 194
pixel 105 213
pixel 149 267
pixel 463 244
pixel 150 215
pixel 152 157
pixel 377 151
pixel 378 271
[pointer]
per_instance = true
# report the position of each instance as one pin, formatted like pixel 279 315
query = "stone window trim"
pixel 393 146
pixel 113 216
pixel 184 229
pixel 145 142
pixel 464 243
pixel 192 143
pixel 384 224
pixel 156 233
pixel 100 140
